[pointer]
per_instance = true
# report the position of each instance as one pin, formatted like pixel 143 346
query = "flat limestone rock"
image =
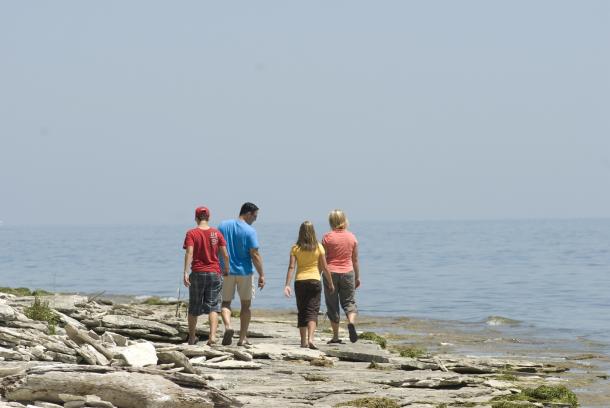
pixel 233 365
pixel 65 303
pixel 282 351
pixel 123 389
pixel 138 355
pixel 177 358
pixel 361 351
pixel 9 354
pixel 128 322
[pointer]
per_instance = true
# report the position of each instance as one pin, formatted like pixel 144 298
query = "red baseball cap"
pixel 202 212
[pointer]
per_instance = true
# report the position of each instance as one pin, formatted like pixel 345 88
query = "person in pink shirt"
pixel 341 249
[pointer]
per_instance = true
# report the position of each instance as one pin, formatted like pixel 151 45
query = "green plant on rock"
pixel 370 402
pixel 41 311
pixel 543 393
pixel 507 377
pixel 315 377
pixel 155 300
pixel 321 362
pixel 374 337
pixel 513 404
pixel 410 351
pixel 25 291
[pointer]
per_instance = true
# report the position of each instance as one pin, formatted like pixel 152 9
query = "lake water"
pixel 551 275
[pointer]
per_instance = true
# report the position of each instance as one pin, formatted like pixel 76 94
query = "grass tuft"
pixel 374 337
pixel 410 351
pixel 543 393
pixel 321 362
pixel 315 377
pixel 41 311
pixel 25 291
pixel 370 402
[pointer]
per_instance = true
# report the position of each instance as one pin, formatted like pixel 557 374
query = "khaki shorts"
pixel 244 285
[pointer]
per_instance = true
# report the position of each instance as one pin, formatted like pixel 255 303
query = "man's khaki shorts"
pixel 244 285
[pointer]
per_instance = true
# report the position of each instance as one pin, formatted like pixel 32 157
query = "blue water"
pixel 548 274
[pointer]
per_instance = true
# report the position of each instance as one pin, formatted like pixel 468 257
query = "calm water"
pixel 549 274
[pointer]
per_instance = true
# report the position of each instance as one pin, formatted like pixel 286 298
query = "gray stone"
pixel 365 352
pixel 65 303
pixel 128 322
pixel 176 357
pixel 9 354
pixel 7 313
pixel 234 365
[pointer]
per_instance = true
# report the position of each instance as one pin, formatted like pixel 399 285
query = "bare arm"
pixel 188 259
pixel 257 260
pixel 356 265
pixel 222 251
pixel 323 266
pixel 289 273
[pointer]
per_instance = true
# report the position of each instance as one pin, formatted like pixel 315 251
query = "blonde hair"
pixel 307 240
pixel 337 219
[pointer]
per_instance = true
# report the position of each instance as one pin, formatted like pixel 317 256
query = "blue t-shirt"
pixel 241 238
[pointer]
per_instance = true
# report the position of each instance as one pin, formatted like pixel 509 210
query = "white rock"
pixel 138 355
pixel 7 313
pixel 198 360
pixel 234 364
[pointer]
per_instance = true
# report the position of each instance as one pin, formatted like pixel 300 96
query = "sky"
pixel 136 112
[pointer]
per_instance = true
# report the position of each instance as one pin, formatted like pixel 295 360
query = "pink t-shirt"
pixel 339 245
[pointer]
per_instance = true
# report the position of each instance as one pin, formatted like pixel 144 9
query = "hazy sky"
pixel 119 112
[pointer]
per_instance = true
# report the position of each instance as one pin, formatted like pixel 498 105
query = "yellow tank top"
pixel 307 262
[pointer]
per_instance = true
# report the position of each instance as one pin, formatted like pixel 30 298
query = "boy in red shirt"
pixel 203 246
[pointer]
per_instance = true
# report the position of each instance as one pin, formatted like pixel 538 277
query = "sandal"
pixel 312 346
pixel 333 341
pixel 353 336
pixel 227 337
pixel 193 341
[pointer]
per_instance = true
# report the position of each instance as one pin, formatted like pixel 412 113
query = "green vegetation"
pixel 410 351
pixel 374 337
pixel 25 292
pixel 370 402
pixel 315 377
pixel 41 311
pixel 513 404
pixel 507 377
pixel 321 362
pixel 377 366
pixel 155 300
pixel 235 313
pixel 543 393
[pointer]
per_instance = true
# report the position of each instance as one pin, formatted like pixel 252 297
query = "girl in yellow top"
pixel 308 255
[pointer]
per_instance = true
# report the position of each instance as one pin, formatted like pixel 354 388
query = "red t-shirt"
pixel 339 245
pixel 205 245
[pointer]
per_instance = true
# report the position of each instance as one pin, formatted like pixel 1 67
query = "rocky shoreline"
pixel 108 354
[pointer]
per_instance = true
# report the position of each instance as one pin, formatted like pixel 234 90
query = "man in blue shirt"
pixel 242 245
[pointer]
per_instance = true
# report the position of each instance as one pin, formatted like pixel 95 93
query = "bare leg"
pixel 244 319
pixel 192 321
pixel 335 327
pixel 213 317
pixel 351 317
pixel 303 333
pixel 225 313
pixel 311 329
